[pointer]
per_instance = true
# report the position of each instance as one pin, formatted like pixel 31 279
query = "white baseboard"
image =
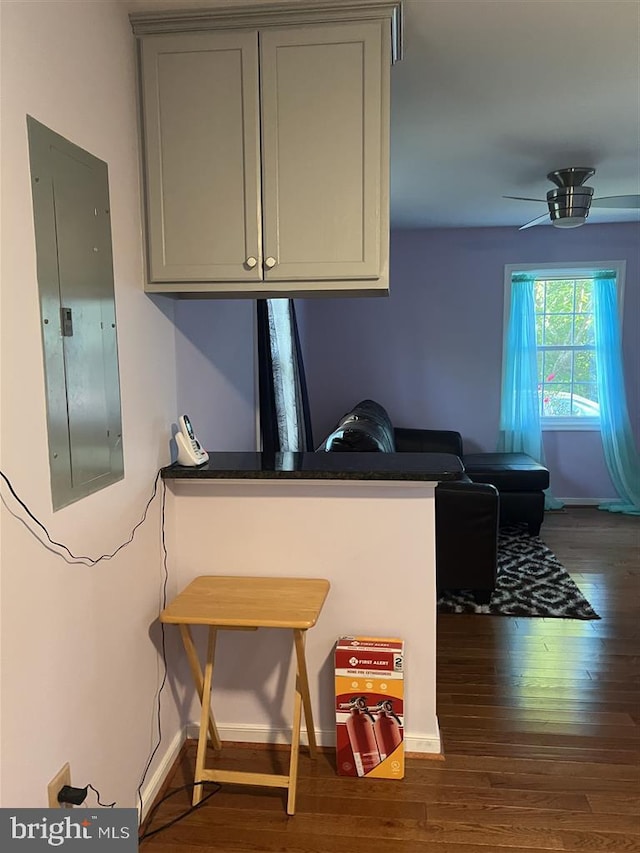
pixel 427 743
pixel 584 501
pixel 151 788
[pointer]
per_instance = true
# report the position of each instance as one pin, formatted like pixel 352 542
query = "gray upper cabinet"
pixel 266 150
pixel 322 144
pixel 202 155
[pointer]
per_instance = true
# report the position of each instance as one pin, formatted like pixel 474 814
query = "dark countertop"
pixel 421 467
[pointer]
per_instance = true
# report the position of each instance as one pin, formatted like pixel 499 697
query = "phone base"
pixel 189 456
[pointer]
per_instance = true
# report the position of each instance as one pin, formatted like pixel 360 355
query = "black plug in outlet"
pixel 74 796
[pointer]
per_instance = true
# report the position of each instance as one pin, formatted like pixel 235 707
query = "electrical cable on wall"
pixel 159 709
pixel 69 557
pixel 97 793
pixel 77 796
pixel 66 553
pixel 164 651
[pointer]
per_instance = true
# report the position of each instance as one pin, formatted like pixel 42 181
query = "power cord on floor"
pixel 180 817
pixel 67 554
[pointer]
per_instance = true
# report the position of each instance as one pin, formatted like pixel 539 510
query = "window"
pixel 567 381
pixel 565 347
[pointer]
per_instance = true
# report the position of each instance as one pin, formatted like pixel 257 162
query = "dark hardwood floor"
pixel 540 722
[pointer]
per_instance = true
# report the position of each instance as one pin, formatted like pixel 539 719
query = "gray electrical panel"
pixel 75 280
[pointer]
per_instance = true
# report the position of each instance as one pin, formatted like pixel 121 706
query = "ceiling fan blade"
pixel 625 201
pixel 536 221
pixel 522 198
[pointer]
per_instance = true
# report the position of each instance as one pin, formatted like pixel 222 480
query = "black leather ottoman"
pixel 520 480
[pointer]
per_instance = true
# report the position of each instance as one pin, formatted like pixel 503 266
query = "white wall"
pixel 373 541
pixel 80 666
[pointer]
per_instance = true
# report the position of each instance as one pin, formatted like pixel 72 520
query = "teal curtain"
pixel 620 453
pixel 520 430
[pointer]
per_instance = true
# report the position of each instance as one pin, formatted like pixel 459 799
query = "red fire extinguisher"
pixel 387 728
pixel 362 736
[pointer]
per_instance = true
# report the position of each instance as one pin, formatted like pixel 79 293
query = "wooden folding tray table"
pixel 248 603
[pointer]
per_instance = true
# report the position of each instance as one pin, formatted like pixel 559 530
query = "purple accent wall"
pixel 431 353
pixel 215 370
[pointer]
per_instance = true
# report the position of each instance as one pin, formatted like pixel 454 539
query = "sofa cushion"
pixel 367 427
pixel 428 441
pixel 509 472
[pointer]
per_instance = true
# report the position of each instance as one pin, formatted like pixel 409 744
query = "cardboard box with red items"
pixel 370 707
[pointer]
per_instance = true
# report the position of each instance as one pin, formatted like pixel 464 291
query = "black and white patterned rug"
pixel 531 582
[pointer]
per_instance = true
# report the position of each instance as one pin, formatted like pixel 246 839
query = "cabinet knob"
pixel 251 262
pixel 270 263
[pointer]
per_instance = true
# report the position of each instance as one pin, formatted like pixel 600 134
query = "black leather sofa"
pixel 467 513
pixel 520 480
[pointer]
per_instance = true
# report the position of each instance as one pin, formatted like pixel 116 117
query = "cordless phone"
pixel 190 453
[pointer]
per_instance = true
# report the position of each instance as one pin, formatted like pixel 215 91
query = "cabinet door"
pixel 325 186
pixel 201 126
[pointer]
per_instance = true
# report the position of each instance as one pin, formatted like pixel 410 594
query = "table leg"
pixel 295 749
pixel 302 698
pixel 194 663
pixel 205 717
pixel 299 638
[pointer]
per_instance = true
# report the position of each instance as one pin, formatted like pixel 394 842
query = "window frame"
pixel 568 269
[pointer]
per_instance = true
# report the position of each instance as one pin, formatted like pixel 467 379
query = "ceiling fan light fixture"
pixel 569 206
pixel 570 201
pixel 569 221
pixel 574 176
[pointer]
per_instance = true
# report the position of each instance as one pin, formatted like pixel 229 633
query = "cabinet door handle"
pixel 251 262
pixel 270 263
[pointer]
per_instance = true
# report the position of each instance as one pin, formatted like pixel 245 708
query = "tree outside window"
pixel 567 380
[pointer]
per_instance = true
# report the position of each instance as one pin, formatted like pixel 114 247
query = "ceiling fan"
pixel 570 202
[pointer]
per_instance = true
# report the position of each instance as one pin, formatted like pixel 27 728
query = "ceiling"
pixel 494 94
pixel 491 95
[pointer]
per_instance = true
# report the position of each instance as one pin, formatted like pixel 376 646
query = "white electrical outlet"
pixel 62 778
